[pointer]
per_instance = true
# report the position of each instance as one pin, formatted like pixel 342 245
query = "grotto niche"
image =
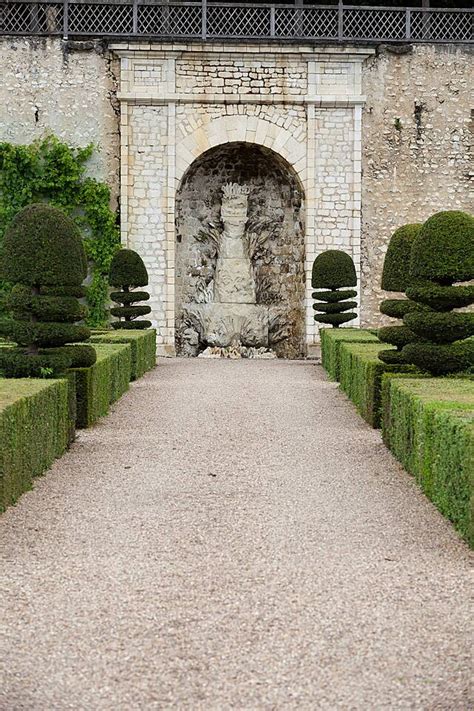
pixel 240 256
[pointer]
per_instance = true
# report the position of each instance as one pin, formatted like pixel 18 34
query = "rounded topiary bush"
pixel 44 257
pixel 442 254
pixel 332 271
pixel 395 277
pixel 444 249
pixel 127 272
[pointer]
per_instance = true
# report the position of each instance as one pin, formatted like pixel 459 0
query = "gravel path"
pixel 232 536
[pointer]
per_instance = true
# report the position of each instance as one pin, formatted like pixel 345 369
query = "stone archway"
pixel 178 102
pixel 274 239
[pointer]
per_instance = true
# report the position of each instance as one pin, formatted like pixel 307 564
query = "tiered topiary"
pixel 333 270
pixel 127 271
pixel 442 254
pixel 43 256
pixel 395 277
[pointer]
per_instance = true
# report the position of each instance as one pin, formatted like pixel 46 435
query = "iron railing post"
pixel 272 21
pixel 203 19
pixel 135 17
pixel 65 19
pixel 425 19
pixel 407 23
pixel 340 21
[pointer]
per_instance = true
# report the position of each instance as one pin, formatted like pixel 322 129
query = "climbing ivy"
pixel 49 170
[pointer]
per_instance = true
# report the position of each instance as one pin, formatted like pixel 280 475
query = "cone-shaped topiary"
pixel 127 271
pixel 332 270
pixel 44 256
pixel 395 277
pixel 442 254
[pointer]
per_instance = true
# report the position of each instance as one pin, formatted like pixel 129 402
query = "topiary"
pixel 43 256
pixel 128 271
pixel 332 270
pixel 395 277
pixel 444 250
pixel 442 254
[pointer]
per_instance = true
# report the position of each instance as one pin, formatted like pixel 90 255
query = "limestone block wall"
pixel 65 88
pixel 301 104
pixel 418 124
pixel 376 139
pixel 146 199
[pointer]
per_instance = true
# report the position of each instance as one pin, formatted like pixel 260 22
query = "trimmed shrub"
pixel 98 386
pixel 428 424
pixel 128 271
pixel 441 327
pixel 44 255
pixel 333 270
pixel 398 308
pixel 442 358
pixel 331 341
pixel 360 376
pixel 142 344
pixel 443 253
pixel 35 428
pixel 395 278
pixel 441 298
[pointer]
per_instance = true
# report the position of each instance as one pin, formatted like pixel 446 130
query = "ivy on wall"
pixel 51 171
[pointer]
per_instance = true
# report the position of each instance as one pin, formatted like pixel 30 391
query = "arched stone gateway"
pixel 240 276
pixel 286 125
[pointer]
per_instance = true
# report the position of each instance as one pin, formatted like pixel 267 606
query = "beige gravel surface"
pixel 232 536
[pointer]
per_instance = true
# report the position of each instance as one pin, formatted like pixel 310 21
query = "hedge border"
pixel 331 341
pixel 35 429
pixel 103 383
pixel 361 377
pixel 142 343
pixel 428 425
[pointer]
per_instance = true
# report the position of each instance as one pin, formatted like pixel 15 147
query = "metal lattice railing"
pixel 137 19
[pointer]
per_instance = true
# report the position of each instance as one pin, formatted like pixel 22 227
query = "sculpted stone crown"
pixel 234 190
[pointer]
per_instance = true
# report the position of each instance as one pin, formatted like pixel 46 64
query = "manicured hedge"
pixel 103 383
pixel 360 377
pixel 142 343
pixel 428 423
pixel 331 340
pixel 35 428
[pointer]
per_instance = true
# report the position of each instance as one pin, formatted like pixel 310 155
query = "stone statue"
pixel 231 317
pixel 234 282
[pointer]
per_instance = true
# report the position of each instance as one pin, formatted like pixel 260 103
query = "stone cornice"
pixel 317 101
pixel 304 51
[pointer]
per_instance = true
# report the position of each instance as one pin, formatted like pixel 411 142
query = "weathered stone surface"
pixel 210 268
pixel 416 160
pixel 302 106
pixel 47 87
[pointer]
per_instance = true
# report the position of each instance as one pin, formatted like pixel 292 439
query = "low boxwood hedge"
pixel 142 343
pixel 103 383
pixel 331 340
pixel 361 374
pixel 35 428
pixel 428 423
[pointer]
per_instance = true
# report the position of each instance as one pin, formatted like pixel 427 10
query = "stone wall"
pixel 303 106
pixel 260 76
pixel 416 152
pixel 306 104
pixel 65 88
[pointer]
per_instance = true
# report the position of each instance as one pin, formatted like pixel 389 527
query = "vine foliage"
pixel 50 171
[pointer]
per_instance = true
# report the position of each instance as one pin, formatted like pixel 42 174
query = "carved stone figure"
pixel 234 282
pixel 226 306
